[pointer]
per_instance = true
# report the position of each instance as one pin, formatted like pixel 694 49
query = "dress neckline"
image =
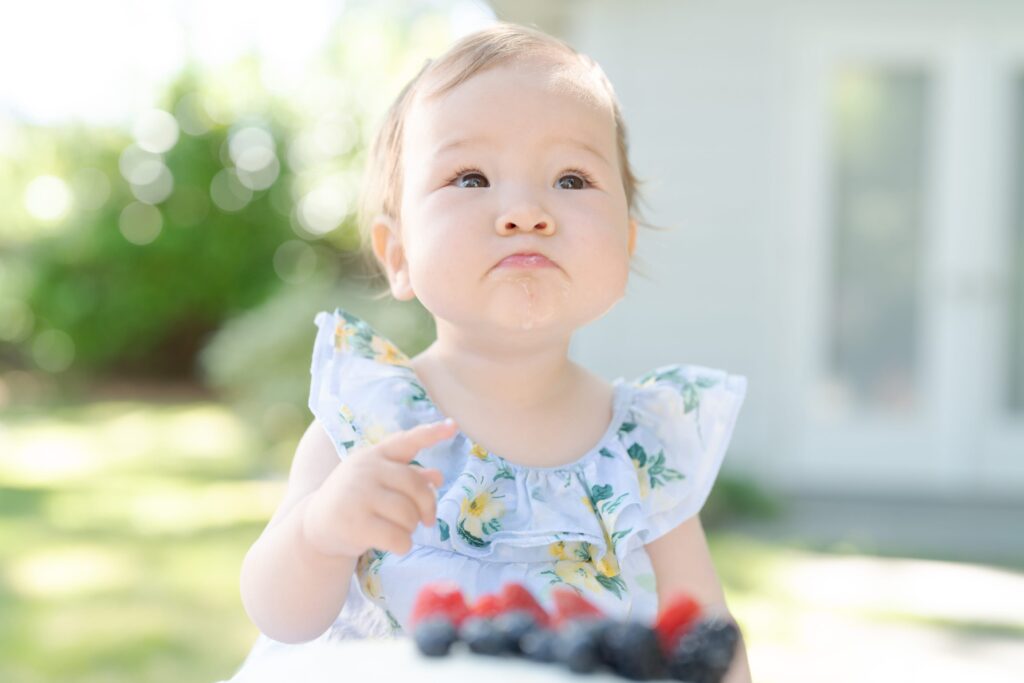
pixel 389 354
pixel 620 394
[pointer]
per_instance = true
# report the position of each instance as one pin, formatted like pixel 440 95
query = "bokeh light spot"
pixel 325 207
pixel 151 181
pixel 228 192
pixel 91 187
pixel 53 350
pixel 140 223
pixel 191 115
pixel 295 261
pixel 156 131
pixel 48 199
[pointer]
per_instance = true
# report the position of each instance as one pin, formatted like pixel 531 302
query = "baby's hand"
pixel 374 498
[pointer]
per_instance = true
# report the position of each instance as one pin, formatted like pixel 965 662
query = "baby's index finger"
pixel 403 446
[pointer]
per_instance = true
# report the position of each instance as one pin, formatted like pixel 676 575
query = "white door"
pixel 908 255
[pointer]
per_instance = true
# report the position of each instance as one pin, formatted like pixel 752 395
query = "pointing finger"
pixel 403 446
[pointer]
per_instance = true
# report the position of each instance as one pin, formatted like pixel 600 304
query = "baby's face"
pixel 510 161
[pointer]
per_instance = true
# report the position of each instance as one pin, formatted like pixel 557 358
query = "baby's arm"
pixel 682 564
pixel 295 577
pixel 291 591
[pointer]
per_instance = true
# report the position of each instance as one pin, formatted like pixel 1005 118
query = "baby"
pixel 500 195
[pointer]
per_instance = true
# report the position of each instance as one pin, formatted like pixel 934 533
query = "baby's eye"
pixel 576 180
pixel 470 179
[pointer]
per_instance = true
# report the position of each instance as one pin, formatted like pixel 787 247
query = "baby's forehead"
pixel 561 74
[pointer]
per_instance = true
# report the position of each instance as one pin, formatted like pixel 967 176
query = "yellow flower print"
pixel 346 413
pixel 580 574
pixel 386 352
pixel 479 451
pixel 575 564
pixel 374 433
pixel 609 564
pixel 480 515
pixel 558 550
pixel 642 477
pixel 368 571
pixel 343 333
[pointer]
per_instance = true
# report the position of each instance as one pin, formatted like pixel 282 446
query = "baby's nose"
pixel 525 218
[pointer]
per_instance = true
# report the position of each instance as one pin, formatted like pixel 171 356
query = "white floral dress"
pixel 583 524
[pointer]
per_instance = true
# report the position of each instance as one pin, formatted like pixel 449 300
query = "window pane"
pixel 1016 360
pixel 879 120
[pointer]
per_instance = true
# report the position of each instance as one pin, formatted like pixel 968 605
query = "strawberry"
pixel 570 605
pixel 440 598
pixel 675 620
pixel 515 596
pixel 487 606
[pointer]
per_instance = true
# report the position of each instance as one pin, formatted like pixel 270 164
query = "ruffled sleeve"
pixel 327 371
pixel 356 378
pixel 683 419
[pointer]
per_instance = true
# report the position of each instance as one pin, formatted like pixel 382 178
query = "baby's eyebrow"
pixel 549 141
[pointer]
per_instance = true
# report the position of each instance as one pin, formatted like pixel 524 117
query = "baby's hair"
pixel 497 44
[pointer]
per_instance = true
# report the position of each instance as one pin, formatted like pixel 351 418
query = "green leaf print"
pixel 583 553
pixel 606 453
pixel 504 472
pixel 626 427
pixel 637 452
pixel 418 393
pixel 659 474
pixel 470 538
pixel 618 535
pixel 555 578
pixel 610 507
pixel 599 493
pixel 443 527
pixel 614 584
pixel 691 398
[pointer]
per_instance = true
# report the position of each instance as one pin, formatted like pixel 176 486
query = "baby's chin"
pixel 525 302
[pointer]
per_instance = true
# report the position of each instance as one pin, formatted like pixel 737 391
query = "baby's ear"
pixel 387 247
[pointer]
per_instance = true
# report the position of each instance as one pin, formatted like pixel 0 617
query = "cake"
pixel 508 636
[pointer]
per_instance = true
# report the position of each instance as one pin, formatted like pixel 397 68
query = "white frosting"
pixel 386 660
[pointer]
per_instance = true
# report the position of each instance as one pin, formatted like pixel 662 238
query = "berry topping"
pixel 487 606
pixel 440 598
pixel 675 619
pixel 704 654
pixel 632 650
pixel 515 596
pixel 571 606
pixel 482 636
pixel 538 645
pixel 578 644
pixel 513 626
pixel 434 635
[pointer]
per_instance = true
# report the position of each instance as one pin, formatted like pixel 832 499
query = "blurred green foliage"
pixel 146 309
pixel 277 338
pixel 131 280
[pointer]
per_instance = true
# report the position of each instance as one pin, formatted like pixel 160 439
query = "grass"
pixel 123 526
pixel 122 532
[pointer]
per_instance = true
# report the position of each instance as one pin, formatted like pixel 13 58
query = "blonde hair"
pixel 497 44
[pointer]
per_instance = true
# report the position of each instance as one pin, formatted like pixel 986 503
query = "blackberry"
pixel 704 654
pixel 579 645
pixel 632 650
pixel 539 645
pixel 513 626
pixel 434 636
pixel 482 637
